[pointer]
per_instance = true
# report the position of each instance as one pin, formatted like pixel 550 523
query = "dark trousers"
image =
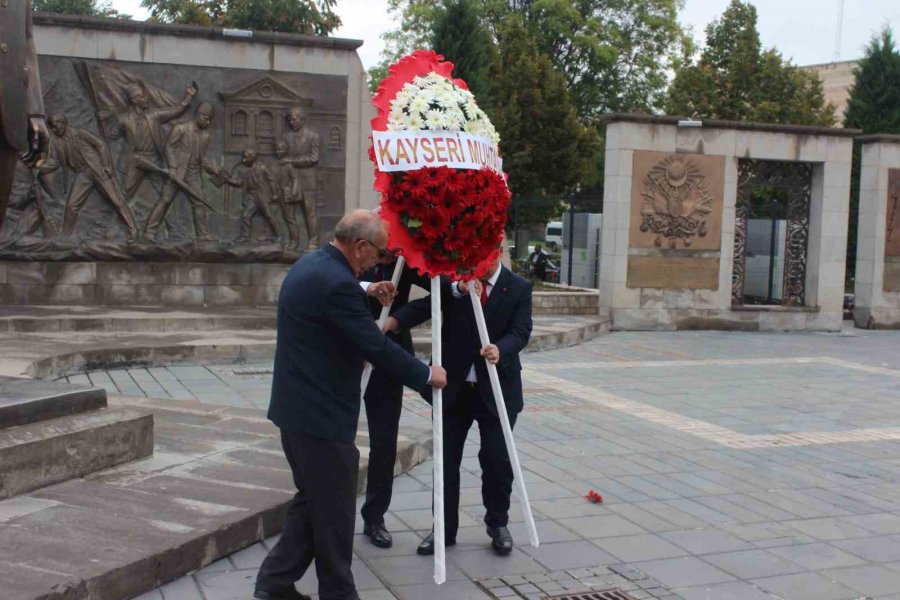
pixel 158 214
pixel 320 519
pixel 496 469
pixel 9 158
pixel 384 401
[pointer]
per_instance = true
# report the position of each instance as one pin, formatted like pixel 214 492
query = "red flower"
pixel 594 497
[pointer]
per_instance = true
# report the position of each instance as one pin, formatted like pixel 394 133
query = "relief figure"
pixel 185 153
pixel 256 180
pixel 84 154
pixel 303 153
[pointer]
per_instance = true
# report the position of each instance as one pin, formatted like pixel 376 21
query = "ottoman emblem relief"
pixel 675 202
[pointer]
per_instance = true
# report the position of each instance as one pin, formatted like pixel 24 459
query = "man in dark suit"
pixel 538 262
pixel 468 397
pixel 324 333
pixel 384 400
pixel 22 127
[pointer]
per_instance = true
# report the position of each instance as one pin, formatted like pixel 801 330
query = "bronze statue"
pixel 23 133
pixel 254 180
pixel 291 193
pixel 303 153
pixel 186 156
pixel 141 126
pixel 85 154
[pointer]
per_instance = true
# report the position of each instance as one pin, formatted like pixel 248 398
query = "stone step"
pixel 54 450
pixel 24 401
pixel 218 482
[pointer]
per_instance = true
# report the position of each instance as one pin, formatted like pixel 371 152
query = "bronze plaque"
pixel 892 274
pixel 673 272
pixel 155 162
pixel 892 228
pixel 676 201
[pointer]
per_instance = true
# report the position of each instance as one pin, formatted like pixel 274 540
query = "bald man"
pixel 325 332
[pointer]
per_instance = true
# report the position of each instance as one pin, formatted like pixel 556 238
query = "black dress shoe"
pixel 379 535
pixel 501 540
pixel 426 548
pixel 290 593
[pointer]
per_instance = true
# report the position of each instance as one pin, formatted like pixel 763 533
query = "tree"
pixel 614 54
pixel 544 145
pixel 93 8
pixel 735 79
pixel 461 38
pixel 310 17
pixel 874 107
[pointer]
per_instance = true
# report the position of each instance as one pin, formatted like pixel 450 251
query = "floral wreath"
pixel 443 220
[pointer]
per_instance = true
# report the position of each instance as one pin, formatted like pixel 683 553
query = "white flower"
pixel 433 102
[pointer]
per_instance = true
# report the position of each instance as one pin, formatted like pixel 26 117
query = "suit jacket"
pixel 303 153
pixel 186 148
pixel 508 318
pixel 20 87
pixel 82 151
pixel 408 278
pixel 325 331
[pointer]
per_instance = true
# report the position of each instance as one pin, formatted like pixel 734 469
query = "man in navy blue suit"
pixel 325 332
pixel 384 399
pixel 468 397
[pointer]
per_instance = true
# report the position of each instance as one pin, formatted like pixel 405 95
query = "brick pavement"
pixel 734 466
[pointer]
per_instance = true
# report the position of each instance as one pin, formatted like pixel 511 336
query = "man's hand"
pixel 392 324
pixel 38 142
pixel 491 353
pixel 438 378
pixel 191 89
pixel 383 291
pixel 464 286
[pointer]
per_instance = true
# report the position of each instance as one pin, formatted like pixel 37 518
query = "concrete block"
pixel 268 274
pixel 116 45
pixel 39 454
pixel 839 149
pixel 229 295
pixel 626 297
pixel 635 319
pixel 71 273
pixel 812 148
pixel 648 136
pixel 182 295
pixel 230 274
pixel 699 140
pixel 190 274
pixel 109 273
pixel 678 298
pixel 3 273
pixel 25 273
pixel 837 174
pixel 778 320
pixel 24 401
pixel 825 321
pixel 651 298
pixel 65 294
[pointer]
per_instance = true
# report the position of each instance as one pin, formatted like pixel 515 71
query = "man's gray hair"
pixel 360 224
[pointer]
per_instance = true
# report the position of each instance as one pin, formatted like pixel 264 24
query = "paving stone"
pixel 635 548
pixel 683 572
pixel 601 526
pixel 870 580
pixel 569 554
pixel 705 541
pixel 805 586
pixel 182 589
pixel 736 590
pixel 752 564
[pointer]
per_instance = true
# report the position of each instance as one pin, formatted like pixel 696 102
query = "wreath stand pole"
pixel 504 419
pixel 382 319
pixel 437 419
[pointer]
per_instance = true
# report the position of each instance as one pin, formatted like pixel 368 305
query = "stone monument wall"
pixel 673 229
pixel 877 285
pixel 187 147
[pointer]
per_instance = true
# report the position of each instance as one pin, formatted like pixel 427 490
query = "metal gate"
pixel 773 200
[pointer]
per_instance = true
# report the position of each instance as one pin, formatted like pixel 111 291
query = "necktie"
pixel 484 293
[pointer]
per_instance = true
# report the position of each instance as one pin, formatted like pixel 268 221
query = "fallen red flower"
pixel 594 497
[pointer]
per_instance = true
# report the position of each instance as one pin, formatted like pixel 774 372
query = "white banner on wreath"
pixel 412 150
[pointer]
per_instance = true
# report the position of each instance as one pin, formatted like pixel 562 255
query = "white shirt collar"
pixel 493 280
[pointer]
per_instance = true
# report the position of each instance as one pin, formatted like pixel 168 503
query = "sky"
pixel 803 30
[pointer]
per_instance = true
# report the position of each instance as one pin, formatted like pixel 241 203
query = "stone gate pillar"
pixel 877 286
pixel 681 217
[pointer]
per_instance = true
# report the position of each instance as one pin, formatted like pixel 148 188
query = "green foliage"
pixel 735 79
pixel 543 143
pixel 461 38
pixel 93 8
pixel 874 107
pixel 614 54
pixel 310 17
pixel 874 103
